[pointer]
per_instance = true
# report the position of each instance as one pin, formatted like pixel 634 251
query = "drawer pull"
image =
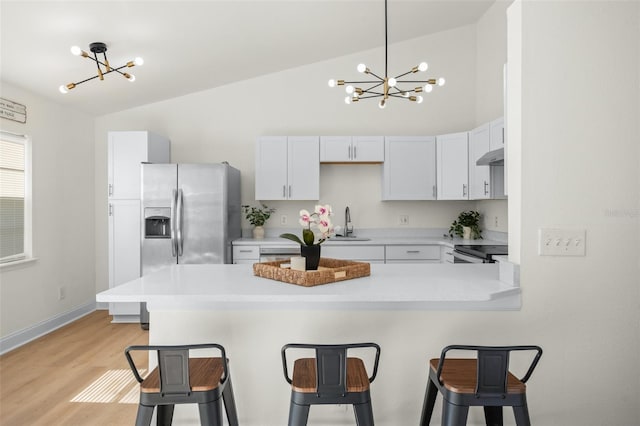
pixel 246 251
pixel 413 251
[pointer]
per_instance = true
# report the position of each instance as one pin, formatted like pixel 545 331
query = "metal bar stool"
pixel 482 381
pixel 330 378
pixel 179 379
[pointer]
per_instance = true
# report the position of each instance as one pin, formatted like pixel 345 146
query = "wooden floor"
pixel 38 380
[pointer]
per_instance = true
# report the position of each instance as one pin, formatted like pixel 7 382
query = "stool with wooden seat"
pixel 330 378
pixel 482 381
pixel 179 379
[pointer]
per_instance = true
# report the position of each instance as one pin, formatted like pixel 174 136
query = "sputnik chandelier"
pixel 387 87
pixel 103 65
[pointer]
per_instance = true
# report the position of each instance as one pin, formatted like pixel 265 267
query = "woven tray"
pixel 329 271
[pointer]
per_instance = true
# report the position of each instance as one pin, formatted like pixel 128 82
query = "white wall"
pixel 580 168
pixel 63 216
pixel 223 124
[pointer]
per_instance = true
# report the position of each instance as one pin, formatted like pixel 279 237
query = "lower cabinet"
pixel 413 253
pixel 371 254
pixel 246 254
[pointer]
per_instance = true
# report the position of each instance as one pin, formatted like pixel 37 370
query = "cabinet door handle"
pixel 503 136
pixel 464 190
pixel 486 190
pixel 289 191
pixel 110 189
pixel 284 191
pixel 355 155
pixel 434 191
pixel 110 209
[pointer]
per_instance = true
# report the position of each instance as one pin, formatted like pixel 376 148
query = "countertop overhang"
pixel 389 287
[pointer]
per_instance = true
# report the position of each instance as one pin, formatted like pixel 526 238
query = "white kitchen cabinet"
pixel 287 168
pixel 497 134
pixel 246 254
pixel 124 253
pixel 352 149
pixel 371 254
pixel 409 170
pixel 415 253
pixel 126 151
pixel 452 166
pixel 479 176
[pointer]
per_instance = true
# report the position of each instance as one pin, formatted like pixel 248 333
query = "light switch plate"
pixel 561 242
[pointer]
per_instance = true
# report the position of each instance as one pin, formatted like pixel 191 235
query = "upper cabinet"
pixel 479 176
pixel 351 149
pixel 287 168
pixel 452 166
pixel 126 150
pixel 497 134
pixel 409 171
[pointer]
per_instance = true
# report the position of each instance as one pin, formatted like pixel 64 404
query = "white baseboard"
pixel 19 338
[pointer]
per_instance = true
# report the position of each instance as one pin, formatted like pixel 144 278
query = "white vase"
pixel 466 232
pixel 258 233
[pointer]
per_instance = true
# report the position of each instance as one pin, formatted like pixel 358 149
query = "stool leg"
pixel 493 416
pixel 429 402
pixel 298 414
pixel 165 415
pixel 364 414
pixel 521 413
pixel 210 413
pixel 230 403
pixel 145 413
pixel 454 415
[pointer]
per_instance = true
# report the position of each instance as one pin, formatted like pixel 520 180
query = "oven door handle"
pixel 467 258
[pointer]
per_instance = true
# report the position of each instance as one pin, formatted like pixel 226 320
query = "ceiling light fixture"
pixel 387 87
pixel 103 65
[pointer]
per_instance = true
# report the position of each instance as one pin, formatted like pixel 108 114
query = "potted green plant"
pixel 257 216
pixel 467 225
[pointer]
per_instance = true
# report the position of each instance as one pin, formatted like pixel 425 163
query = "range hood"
pixel 492 158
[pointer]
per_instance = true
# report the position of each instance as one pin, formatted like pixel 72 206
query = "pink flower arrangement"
pixel 319 220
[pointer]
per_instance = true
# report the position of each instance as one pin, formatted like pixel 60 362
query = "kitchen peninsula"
pixel 409 309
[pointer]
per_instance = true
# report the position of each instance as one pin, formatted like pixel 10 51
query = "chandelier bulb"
pixel 382 104
pixel 362 68
pixel 392 82
pixel 441 81
pixel 419 99
pixel 350 89
pixel 75 50
pixel 129 77
pixel 428 88
pixel 63 89
pixel 347 100
pixel 332 83
pixel 423 66
pixel 138 61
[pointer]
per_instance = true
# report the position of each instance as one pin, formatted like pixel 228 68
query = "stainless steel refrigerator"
pixel 190 215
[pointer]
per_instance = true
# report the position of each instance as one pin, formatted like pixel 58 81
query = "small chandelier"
pixel 103 65
pixel 388 87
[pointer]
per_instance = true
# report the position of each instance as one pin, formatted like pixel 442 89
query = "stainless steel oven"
pixel 476 253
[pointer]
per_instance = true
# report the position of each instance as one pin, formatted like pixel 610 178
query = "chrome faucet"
pixel 348 227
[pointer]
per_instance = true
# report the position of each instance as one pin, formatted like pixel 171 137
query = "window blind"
pixel 12 197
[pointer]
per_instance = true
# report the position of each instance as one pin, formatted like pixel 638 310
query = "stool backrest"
pixel 492 367
pixel 331 365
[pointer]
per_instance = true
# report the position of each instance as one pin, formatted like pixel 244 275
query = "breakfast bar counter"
pixel 410 310
pixel 400 286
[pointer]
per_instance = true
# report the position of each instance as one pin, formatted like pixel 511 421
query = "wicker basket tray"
pixel 329 271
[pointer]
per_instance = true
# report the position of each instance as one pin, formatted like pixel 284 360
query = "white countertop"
pixel 403 287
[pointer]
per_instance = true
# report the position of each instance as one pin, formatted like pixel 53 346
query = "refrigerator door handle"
pixel 179 224
pixel 174 243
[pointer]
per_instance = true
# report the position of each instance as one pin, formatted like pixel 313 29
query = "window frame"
pixel 27 254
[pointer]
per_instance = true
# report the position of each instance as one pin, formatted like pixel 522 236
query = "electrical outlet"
pixel 61 293
pixel 283 220
pixel 404 219
pixel 561 242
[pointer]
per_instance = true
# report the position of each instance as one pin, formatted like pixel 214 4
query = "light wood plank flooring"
pixel 38 380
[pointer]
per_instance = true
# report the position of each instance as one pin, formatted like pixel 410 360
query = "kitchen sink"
pixel 341 238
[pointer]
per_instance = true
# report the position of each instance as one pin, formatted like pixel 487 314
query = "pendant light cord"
pixel 386 74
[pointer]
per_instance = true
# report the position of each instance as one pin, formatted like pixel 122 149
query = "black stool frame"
pixel 176 389
pixel 491 388
pixel 331 362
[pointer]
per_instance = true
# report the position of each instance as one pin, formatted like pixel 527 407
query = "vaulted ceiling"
pixel 190 46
